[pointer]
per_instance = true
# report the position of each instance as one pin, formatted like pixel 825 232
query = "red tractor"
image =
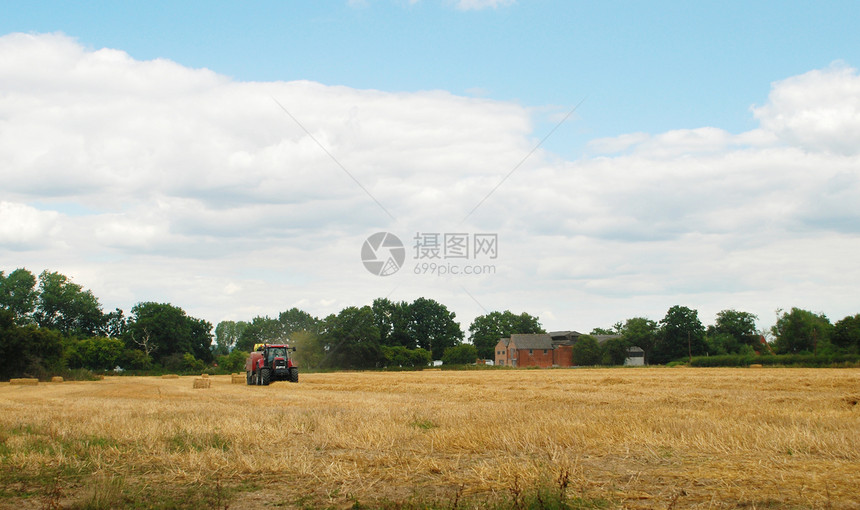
pixel 271 362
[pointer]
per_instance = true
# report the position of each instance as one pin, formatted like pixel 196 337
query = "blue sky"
pixel 641 66
pixel 713 161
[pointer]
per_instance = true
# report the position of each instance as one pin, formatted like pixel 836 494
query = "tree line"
pixel 681 335
pixel 50 324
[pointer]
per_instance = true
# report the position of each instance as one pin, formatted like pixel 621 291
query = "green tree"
pixel 393 320
pixel 641 332
pixel 731 331
pixel 135 359
pixel 722 343
pixel 96 353
pixel 586 351
pixel 64 306
pixel 295 320
pixel 233 362
pixel 259 331
pixel 801 331
pixel 310 349
pixel 28 351
pixel 351 339
pixel 399 356
pixel 614 330
pixel 227 334
pixel 433 327
pixel 463 354
pixel 614 351
pixel 161 329
pixel 846 334
pixel 116 324
pixel 18 294
pixel 486 330
pixel 681 335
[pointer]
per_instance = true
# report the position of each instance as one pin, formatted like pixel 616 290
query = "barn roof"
pixel 602 338
pixel 532 341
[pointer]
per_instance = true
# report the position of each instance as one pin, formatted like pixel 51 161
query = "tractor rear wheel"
pixel 294 374
pixel 248 378
pixel 266 376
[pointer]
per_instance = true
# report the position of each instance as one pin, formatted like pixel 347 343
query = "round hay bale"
pixel 170 376
pixel 56 378
pixel 201 383
pixel 755 365
pixel 24 381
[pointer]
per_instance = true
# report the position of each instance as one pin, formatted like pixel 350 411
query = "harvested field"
pixel 611 438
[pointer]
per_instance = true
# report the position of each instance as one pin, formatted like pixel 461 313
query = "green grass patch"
pixel 424 424
pixel 184 441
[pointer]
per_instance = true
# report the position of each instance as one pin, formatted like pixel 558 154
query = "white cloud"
pixel 474 5
pixel 24 227
pixel 818 110
pixel 201 191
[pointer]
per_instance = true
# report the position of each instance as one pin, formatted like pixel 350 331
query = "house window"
pixel 544 351
pixel 530 352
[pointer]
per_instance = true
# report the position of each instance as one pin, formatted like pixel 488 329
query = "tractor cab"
pixel 271 362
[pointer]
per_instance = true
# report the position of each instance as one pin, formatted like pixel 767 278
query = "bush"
pixel 614 351
pixel 192 364
pixel 28 351
pixel 399 356
pixel 135 359
pixel 95 353
pixel 233 362
pixel 463 354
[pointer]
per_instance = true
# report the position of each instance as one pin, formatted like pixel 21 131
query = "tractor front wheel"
pixel 294 374
pixel 266 376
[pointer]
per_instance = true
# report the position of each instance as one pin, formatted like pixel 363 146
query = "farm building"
pixel 554 349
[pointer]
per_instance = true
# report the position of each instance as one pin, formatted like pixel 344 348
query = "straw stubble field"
pixel 631 438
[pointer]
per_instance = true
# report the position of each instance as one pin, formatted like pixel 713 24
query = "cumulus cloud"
pixel 818 110
pixel 200 190
pixel 23 227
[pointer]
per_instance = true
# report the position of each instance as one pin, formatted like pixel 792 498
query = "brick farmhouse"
pixel 554 349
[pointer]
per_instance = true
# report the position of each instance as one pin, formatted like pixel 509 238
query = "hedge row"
pixel 789 360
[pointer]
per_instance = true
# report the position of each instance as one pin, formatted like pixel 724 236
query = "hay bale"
pixel 201 383
pixel 24 381
pixel 170 376
pixel 755 365
pixel 56 378
pixel 237 378
pixel 205 376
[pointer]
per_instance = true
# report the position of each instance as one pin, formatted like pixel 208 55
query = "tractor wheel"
pixel 248 378
pixel 294 374
pixel 266 376
pixel 259 379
